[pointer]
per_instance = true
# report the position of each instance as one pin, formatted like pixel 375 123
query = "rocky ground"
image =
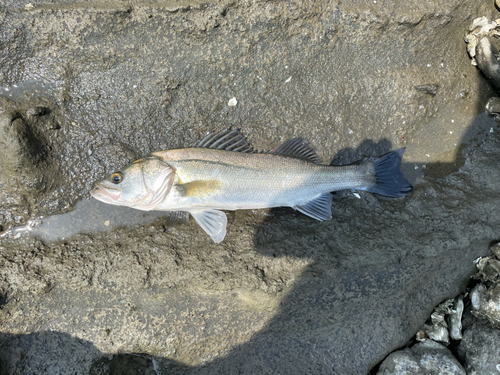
pixel 86 87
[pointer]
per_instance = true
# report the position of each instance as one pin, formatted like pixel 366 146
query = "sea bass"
pixel 223 172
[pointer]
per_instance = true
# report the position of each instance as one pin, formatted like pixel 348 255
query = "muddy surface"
pixel 87 87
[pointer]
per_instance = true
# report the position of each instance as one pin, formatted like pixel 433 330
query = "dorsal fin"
pixel 298 148
pixel 229 140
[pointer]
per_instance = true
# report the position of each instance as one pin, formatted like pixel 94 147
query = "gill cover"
pixel 158 178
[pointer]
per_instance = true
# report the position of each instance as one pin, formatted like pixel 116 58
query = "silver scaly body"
pixel 236 181
pixel 223 173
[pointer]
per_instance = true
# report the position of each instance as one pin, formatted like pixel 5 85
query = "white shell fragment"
pixel 480 28
pixel 437 330
pixel 485 301
pixel 455 319
pixel 232 102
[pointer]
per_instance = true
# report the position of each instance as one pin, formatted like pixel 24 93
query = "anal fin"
pixel 319 208
pixel 213 222
pixel 178 216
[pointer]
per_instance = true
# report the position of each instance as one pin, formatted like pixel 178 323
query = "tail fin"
pixel 389 180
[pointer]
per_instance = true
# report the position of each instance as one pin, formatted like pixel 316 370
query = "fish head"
pixel 142 185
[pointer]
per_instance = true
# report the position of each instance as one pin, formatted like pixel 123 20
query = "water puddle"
pixel 89 217
pixel 29 89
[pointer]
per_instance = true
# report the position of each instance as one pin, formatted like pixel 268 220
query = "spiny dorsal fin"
pixel 298 148
pixel 229 140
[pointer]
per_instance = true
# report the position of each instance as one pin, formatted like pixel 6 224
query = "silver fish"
pixel 223 172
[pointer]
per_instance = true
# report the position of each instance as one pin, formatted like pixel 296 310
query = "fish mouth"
pixel 105 194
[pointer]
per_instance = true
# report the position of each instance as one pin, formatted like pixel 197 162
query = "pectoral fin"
pixel 213 222
pixel 198 188
pixel 319 208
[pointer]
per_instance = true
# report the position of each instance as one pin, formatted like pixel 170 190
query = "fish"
pixel 224 172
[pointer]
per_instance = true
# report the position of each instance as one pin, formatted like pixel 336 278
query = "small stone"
pixel 53 126
pixel 430 89
pixel 36 111
pixel 493 106
pixel 455 319
pixel 434 332
pixel 495 249
pixel 232 102
pixel 488 269
pixel 427 357
pixel 485 303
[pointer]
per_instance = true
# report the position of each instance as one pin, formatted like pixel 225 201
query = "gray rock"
pixel 282 293
pixel 479 349
pixel 427 357
pixel 46 352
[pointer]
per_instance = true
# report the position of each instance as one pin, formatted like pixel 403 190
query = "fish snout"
pixel 94 190
pixel 104 193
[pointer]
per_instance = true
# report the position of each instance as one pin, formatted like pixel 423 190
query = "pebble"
pixel 427 357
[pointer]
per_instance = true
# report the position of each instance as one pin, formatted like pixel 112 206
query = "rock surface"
pixel 479 349
pixel 427 357
pixel 282 293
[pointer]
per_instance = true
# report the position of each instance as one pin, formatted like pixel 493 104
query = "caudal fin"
pixel 389 181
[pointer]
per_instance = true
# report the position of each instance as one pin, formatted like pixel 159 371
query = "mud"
pixel 282 292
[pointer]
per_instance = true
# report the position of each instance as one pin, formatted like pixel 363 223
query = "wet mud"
pixel 86 88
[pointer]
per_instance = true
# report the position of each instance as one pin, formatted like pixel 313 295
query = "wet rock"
pixel 45 352
pixel 127 364
pixel 282 293
pixel 479 349
pixel 22 153
pixel 428 357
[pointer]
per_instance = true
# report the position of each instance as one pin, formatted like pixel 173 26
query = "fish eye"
pixel 117 177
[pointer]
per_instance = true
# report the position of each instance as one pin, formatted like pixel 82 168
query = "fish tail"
pixel 389 181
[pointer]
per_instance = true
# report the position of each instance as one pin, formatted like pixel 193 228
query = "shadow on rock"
pixel 379 266
pixel 47 352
